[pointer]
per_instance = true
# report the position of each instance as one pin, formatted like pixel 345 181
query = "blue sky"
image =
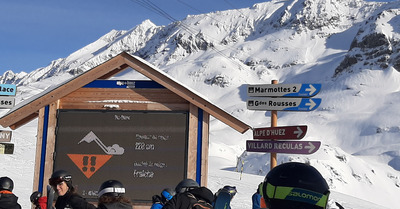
pixel 33 33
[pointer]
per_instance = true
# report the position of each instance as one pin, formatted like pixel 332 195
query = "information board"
pixel 146 151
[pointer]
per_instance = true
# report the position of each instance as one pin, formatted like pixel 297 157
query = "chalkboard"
pixel 146 151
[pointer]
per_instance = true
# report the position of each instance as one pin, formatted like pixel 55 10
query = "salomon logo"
pixel 304 196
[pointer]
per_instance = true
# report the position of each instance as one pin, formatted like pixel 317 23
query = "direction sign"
pixel 6 102
pixel 8 89
pixel 283 90
pixel 5 136
pixel 289 147
pixel 283 132
pixel 284 104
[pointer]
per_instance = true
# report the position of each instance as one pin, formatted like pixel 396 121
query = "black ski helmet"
pixel 6 184
pixel 35 197
pixel 295 185
pixel 111 188
pixel 167 194
pixel 60 176
pixel 186 185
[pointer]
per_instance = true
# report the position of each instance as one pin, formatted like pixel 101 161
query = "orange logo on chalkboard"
pixel 89 164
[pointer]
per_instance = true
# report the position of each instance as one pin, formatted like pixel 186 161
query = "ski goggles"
pixel 111 190
pixel 57 180
pixel 294 194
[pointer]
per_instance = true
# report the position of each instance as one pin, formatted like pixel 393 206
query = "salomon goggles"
pixel 294 194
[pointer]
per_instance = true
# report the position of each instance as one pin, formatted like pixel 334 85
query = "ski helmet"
pixel 111 188
pixel 6 184
pixel 35 197
pixel 186 185
pixel 167 194
pixel 295 185
pixel 60 176
pixel 231 190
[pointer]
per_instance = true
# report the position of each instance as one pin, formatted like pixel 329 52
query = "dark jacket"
pixel 115 205
pixel 183 201
pixel 73 201
pixel 8 201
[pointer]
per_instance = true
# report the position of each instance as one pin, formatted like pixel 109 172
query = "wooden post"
pixel 274 123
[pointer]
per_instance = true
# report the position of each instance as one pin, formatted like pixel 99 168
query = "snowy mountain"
pixel 351 47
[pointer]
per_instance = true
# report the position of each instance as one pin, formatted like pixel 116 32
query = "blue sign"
pixel 283 90
pixel 8 89
pixel 283 104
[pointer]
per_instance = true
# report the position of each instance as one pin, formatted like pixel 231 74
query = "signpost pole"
pixel 274 123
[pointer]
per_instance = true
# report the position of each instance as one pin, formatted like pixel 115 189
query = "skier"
pixel 111 196
pixel 61 181
pixel 188 192
pixel 8 200
pixel 295 185
pixel 159 201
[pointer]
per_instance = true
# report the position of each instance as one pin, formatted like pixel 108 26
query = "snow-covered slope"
pixel 351 47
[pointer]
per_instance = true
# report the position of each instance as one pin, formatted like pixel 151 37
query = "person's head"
pixel 35 197
pixel 186 185
pixel 231 190
pixel 61 181
pixel 295 185
pixel 112 191
pixel 6 184
pixel 167 194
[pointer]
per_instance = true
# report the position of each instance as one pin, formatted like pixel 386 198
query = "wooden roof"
pixel 29 109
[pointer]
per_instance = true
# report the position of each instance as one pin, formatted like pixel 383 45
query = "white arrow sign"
pixel 311 89
pixel 299 132
pixel 310 147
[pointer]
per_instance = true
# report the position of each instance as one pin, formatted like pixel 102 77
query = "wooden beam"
pixel 126 106
pixel 24 121
pixel 114 72
pixel 38 155
pixel 192 143
pixel 93 95
pixel 205 148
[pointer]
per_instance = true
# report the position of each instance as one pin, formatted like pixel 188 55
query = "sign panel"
pixel 8 89
pixel 283 104
pixel 283 90
pixel 283 132
pixel 289 147
pixel 6 148
pixel 145 150
pixel 5 136
pixel 7 102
